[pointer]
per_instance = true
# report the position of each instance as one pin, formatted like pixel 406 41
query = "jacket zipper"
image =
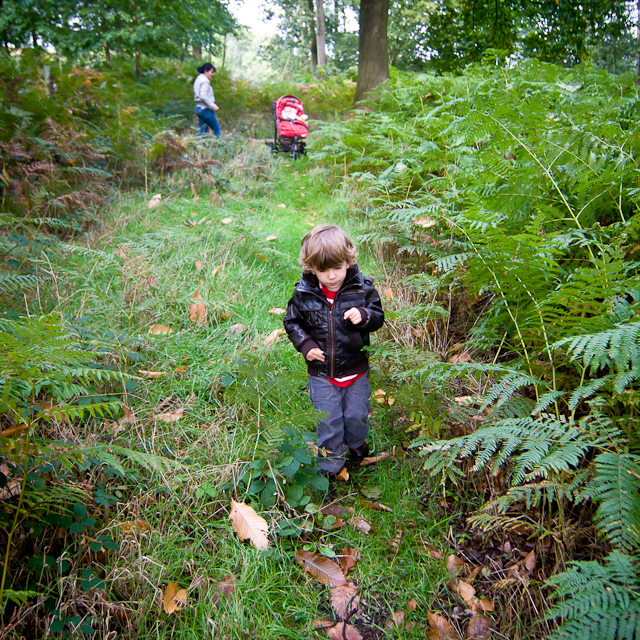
pixel 333 347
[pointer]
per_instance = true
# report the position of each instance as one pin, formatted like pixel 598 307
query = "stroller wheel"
pixel 294 151
pixel 271 147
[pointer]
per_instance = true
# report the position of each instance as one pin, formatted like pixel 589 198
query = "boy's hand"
pixel 354 315
pixel 315 354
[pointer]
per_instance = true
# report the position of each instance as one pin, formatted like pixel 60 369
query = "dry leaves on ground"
pixel 270 238
pixel 278 311
pixel 226 220
pixel 273 337
pixel 224 588
pixel 160 330
pixel 479 627
pixel 174 598
pixel 365 462
pixel 171 416
pixel 345 600
pixel 396 621
pixel 360 524
pixel 454 564
pixel 155 201
pixel 249 525
pixel 337 631
pixel 441 628
pixel 466 591
pixel 236 328
pixel 135 525
pixel 350 556
pixel 322 568
pixel 343 475
pixel 425 222
pixel 213 273
pixel 198 265
pixel 151 375
pixel 197 310
pixel 378 506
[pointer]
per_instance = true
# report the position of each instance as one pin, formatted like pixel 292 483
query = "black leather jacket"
pixel 311 322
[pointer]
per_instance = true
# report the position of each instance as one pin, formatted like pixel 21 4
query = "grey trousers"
pixel 346 424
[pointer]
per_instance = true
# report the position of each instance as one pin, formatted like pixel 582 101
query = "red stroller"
pixel 290 126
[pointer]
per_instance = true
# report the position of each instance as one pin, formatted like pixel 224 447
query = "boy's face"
pixel 333 278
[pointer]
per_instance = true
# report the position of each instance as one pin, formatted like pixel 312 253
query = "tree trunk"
pixel 638 44
pixel 321 33
pixel 313 44
pixel 107 53
pixel 373 59
pixel 138 72
pixel 197 51
pixel 224 51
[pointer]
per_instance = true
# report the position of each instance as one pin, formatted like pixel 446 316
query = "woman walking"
pixel 206 106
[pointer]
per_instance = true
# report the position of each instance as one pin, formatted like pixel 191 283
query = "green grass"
pixel 140 271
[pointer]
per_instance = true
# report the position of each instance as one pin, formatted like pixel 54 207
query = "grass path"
pixel 222 382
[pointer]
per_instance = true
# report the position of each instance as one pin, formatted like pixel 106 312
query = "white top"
pixel 203 93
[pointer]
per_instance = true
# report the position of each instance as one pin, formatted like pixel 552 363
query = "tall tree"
pixel 373 59
pixel 321 34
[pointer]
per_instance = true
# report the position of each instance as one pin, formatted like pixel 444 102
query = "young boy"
pixel 329 318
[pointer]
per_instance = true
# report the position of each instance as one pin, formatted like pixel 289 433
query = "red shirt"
pixel 347 381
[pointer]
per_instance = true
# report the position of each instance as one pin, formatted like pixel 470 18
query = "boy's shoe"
pixel 360 453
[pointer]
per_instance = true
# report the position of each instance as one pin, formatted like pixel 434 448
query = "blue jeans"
pixel 207 118
pixel 346 424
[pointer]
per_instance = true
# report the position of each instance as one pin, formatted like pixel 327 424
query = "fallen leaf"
pixel 466 591
pixel 394 543
pixel 388 293
pixel 396 620
pixel 224 588
pixel 343 475
pixel 282 206
pixel 442 627
pixel 270 238
pixel 473 574
pixel 378 506
pixel 155 201
pixel 141 525
pixel 343 631
pixel 479 628
pixel 365 462
pixel 249 525
pixel 236 328
pixel 196 197
pixel 198 265
pixel 350 556
pixel 530 561
pixel 197 310
pixel 425 222
pixel 174 598
pixel 226 220
pixel 273 337
pixel 11 431
pixel 160 330
pixel 379 392
pixel 171 416
pixel 278 311
pixel 360 524
pixel 460 357
pixel 213 273
pixel 151 375
pixel 180 370
pixel 344 600
pixel 464 399
pixel 430 550
pixel 302 195
pixel 484 604
pixel 320 567
pixel 412 605
pixel 261 257
pixel 454 564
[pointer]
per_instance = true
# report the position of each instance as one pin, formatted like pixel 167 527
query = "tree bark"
pixel 107 53
pixel 321 33
pixel 373 59
pixel 638 45
pixel 313 44
pixel 197 51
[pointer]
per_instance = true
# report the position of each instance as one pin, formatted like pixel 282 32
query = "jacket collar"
pixel 310 280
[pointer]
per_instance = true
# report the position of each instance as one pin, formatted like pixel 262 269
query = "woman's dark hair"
pixel 207 66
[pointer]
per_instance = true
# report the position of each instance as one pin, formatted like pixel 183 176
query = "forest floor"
pixel 203 395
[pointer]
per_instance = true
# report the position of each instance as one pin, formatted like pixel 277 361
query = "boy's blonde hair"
pixel 326 247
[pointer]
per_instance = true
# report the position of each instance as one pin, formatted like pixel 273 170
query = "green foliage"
pixel 518 188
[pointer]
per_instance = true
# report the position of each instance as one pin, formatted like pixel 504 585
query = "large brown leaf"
pixel 322 568
pixel 174 598
pixel 342 631
pixel 197 310
pixel 479 628
pixel 466 591
pixel 249 525
pixel 344 600
pixel 442 627
pixel 224 588
pixel 350 556
pixel 273 337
